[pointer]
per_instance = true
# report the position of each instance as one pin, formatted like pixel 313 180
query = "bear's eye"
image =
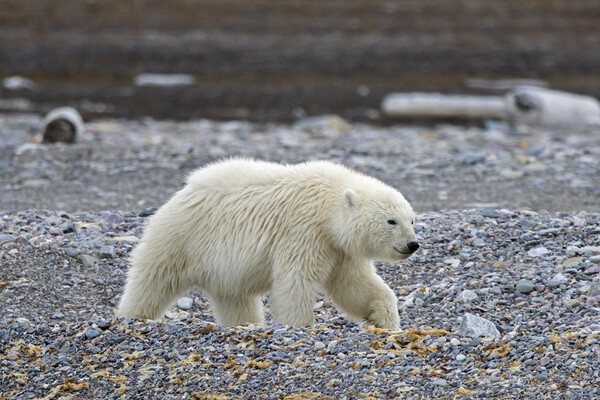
pixel 391 221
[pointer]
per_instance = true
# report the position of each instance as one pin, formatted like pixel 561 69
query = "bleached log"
pixel 503 85
pixel 63 124
pixel 436 105
pixel 551 109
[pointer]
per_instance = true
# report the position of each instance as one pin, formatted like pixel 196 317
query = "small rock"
pixel 474 326
pixel 595 259
pixel 592 301
pixel 594 289
pixel 334 383
pixel 127 239
pixel 332 345
pixel 571 303
pixel 590 250
pixel 58 315
pixel 541 377
pixel 88 260
pixel 112 219
pixel 107 251
pixel 148 212
pixel 472 158
pixel 524 286
pixel 489 213
pixel 319 345
pixel 7 239
pixel 460 357
pixel 72 252
pixel 439 382
pixel 467 296
pixel 39 241
pixel 572 261
pixel 185 303
pixel 526 237
pixel 323 122
pixel 454 342
pixel 12 356
pixel 453 262
pixel 92 333
pixel 594 269
pixel 538 251
pixel 496 290
pixel 557 280
pixel 478 242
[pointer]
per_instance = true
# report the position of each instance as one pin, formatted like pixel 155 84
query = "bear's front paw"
pixel 384 315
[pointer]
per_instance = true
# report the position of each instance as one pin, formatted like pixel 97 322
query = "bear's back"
pixel 232 175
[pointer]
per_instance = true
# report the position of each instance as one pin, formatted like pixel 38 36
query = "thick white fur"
pixel 241 228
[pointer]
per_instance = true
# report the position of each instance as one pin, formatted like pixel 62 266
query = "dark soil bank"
pixel 264 59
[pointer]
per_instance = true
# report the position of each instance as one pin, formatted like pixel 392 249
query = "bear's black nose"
pixel 413 246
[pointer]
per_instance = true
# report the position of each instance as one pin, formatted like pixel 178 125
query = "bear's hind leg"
pixel 240 310
pixel 148 294
pixel 292 301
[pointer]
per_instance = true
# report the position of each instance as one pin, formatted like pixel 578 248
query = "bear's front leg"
pixel 356 288
pixel 383 310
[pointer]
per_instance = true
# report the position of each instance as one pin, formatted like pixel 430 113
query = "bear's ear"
pixel 350 198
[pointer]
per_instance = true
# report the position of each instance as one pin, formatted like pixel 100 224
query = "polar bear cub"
pixel 241 228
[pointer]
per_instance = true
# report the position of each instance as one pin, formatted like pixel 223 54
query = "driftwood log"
pixel 62 124
pixel 523 108
pixel 551 109
pixel 440 106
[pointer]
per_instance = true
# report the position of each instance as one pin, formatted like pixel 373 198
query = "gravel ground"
pixel 132 165
pixel 72 214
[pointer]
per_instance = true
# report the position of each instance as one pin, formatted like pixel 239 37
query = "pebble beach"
pixel 502 300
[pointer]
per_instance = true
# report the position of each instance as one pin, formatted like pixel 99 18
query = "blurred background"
pixel 282 60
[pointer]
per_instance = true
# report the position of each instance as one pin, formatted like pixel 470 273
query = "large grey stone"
pixel 185 303
pixel 108 251
pixel 88 260
pixel 474 326
pixel 7 239
pixel 524 286
pixel 557 280
pixel 467 296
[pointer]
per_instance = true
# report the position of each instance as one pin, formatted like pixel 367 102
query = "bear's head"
pixel 379 224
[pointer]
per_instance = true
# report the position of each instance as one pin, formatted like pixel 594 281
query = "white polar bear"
pixel 241 228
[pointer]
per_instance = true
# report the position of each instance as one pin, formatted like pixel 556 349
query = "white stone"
pixel 185 303
pixel 538 251
pixel 557 280
pixel 474 326
pixel 467 296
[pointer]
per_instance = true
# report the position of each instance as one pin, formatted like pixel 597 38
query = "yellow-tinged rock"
pixel 466 392
pixel 75 387
pixel 19 377
pixel 31 351
pixel 258 364
pixel 515 366
pixel 572 260
pixel 501 351
pixel 100 374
